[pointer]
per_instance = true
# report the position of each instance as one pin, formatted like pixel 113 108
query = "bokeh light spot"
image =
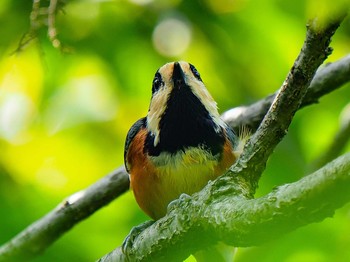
pixel 141 2
pixel 171 37
pixel 15 115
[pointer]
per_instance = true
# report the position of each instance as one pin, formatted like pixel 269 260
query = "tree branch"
pixel 239 221
pixel 247 170
pixel 203 215
pixel 327 79
pixel 51 24
pixel 43 15
pixel 37 237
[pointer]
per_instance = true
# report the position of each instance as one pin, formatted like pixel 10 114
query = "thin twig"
pixel 51 18
pixel 42 16
pixel 34 24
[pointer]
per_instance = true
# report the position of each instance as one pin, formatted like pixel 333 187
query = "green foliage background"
pixel 64 117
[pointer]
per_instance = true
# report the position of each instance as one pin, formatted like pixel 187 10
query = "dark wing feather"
pixel 135 128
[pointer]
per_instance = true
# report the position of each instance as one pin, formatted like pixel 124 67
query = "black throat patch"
pixel 185 123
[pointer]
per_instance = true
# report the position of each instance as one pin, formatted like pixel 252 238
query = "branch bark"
pixel 327 79
pixel 208 215
pixel 247 170
pixel 37 237
pixel 41 234
pixel 240 221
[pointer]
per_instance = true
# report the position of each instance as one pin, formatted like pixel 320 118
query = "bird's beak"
pixel 178 76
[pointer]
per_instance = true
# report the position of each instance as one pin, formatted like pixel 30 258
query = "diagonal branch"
pixel 240 221
pixel 199 216
pixel 35 239
pixel 327 79
pixel 247 170
pixel 38 236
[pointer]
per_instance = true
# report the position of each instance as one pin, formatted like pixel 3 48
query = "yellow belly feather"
pixel 185 172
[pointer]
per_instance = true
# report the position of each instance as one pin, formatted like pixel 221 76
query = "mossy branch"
pixel 212 215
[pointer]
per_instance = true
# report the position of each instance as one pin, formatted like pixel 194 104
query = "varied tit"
pixel 181 144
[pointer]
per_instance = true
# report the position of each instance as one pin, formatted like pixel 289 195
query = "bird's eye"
pixel 195 72
pixel 157 82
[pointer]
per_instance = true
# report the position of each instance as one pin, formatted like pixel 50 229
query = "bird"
pixel 181 144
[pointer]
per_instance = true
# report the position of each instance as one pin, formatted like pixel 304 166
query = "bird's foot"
pixel 134 233
pixel 175 202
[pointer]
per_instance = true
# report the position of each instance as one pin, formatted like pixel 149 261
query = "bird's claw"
pixel 175 202
pixel 134 233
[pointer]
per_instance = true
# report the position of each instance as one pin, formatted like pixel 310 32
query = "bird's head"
pixel 180 103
